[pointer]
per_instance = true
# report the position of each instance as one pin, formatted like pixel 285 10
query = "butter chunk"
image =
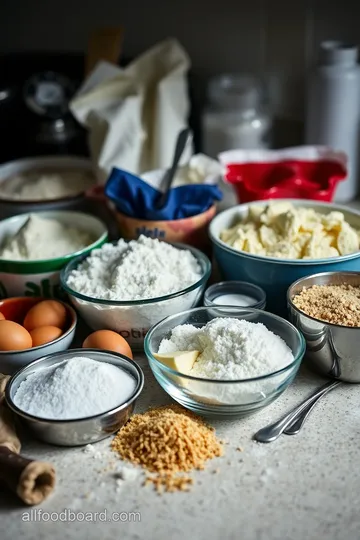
pixel 285 231
pixel 181 361
pixel 347 240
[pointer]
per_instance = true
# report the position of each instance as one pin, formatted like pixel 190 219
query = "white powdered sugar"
pixel 230 349
pixel 76 388
pixel 135 270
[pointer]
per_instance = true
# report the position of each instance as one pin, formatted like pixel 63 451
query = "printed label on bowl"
pixel 151 233
pixel 46 285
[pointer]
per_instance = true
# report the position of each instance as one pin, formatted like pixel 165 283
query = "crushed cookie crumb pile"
pixel 336 304
pixel 167 441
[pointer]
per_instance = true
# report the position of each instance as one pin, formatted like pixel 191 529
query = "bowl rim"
pixel 77 260
pixel 28 265
pixel 163 367
pixel 138 389
pixel 276 260
pixel 65 162
pixel 69 309
pixel 303 313
pixel 236 283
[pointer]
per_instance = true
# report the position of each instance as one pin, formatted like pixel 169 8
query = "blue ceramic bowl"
pixel 272 274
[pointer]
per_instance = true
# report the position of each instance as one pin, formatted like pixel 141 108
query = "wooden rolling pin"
pixel 32 481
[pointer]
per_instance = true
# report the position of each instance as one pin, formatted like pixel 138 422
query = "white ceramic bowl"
pixel 42 277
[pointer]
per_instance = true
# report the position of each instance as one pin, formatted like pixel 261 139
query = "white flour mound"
pixel 38 185
pixel 137 270
pixel 230 349
pixel 76 388
pixel 42 238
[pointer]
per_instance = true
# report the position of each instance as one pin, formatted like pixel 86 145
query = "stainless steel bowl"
pixel 331 349
pixel 85 430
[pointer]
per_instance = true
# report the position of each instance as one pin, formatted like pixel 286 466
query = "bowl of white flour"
pixel 35 247
pixel 242 358
pixel 75 397
pixel 130 286
pixel 45 183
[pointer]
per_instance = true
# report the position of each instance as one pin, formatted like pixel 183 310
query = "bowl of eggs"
pixel 274 243
pixel 31 328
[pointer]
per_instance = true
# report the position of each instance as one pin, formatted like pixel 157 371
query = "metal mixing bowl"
pixel 84 430
pixel 331 349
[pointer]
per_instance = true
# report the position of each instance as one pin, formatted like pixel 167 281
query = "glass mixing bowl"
pixel 224 397
pixel 133 318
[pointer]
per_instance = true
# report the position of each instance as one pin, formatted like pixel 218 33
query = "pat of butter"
pixel 181 361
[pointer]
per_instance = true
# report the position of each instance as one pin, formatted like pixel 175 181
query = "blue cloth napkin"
pixel 135 198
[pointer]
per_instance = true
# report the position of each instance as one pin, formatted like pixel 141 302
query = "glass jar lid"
pixel 235 91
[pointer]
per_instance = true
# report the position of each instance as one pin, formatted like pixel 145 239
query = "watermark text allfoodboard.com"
pixel 68 515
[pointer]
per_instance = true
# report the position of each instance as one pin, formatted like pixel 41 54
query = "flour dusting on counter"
pixel 42 238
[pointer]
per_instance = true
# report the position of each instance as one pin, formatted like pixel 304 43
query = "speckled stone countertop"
pixel 301 487
pixel 305 487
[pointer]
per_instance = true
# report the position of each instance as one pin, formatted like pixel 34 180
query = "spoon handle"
pixel 273 431
pixel 170 173
pixel 300 420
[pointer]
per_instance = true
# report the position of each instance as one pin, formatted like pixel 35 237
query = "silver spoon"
pixel 273 431
pixel 170 173
pixel 300 420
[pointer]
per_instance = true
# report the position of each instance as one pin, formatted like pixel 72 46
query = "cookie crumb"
pixel 335 304
pixel 167 441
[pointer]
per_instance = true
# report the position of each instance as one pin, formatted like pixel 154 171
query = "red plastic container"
pixel 314 179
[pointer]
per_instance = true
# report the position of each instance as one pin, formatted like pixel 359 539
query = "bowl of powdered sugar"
pixel 130 286
pixel 76 397
pixel 234 362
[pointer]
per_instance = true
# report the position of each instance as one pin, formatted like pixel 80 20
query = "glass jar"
pixel 235 293
pixel 236 116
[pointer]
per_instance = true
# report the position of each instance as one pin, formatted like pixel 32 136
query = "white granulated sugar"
pixel 230 349
pixel 137 270
pixel 76 388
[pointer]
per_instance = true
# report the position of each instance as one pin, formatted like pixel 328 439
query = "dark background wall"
pixel 274 37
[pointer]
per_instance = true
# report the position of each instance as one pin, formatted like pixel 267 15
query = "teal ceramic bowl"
pixel 42 277
pixel 272 274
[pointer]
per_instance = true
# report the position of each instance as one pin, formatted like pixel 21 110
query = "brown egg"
pixel 44 334
pixel 2 317
pixel 14 337
pixel 46 313
pixel 108 340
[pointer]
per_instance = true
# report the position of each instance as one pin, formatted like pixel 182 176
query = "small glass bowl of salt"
pixel 235 293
